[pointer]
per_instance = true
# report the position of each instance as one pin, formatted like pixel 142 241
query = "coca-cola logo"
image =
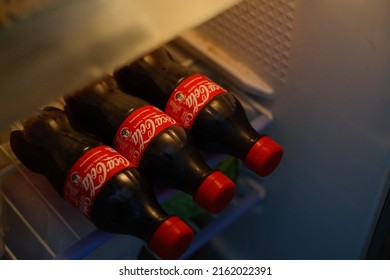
pixel 145 131
pixel 139 129
pixel 90 173
pixel 115 161
pixel 161 119
pixel 200 95
pixel 190 97
pixel 95 178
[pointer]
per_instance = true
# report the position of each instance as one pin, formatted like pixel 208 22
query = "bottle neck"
pixel 130 189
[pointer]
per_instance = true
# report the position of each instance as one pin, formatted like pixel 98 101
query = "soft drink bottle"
pixel 214 115
pixel 151 139
pixel 98 181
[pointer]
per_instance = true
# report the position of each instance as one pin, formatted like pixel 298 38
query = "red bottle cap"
pixel 171 239
pixel 264 156
pixel 215 192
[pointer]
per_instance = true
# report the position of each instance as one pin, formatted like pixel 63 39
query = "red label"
pixel 90 172
pixel 138 130
pixel 190 97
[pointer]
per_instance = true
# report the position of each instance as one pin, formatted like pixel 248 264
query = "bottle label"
pixel 88 175
pixel 190 97
pixel 138 130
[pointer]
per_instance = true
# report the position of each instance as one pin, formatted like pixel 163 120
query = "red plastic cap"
pixel 216 192
pixel 264 156
pixel 171 239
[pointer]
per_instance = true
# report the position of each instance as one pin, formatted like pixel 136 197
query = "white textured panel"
pixel 258 32
pixel 226 64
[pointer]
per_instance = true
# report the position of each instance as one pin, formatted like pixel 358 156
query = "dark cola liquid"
pixel 171 159
pixel 224 116
pixel 125 203
pixel 221 126
pixel 218 122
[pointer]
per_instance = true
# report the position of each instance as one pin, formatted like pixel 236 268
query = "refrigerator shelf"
pixel 41 225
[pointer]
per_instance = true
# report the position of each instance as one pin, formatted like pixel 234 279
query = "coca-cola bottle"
pixel 151 139
pixel 98 181
pixel 214 115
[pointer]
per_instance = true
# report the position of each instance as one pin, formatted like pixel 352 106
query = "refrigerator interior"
pixel 311 74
